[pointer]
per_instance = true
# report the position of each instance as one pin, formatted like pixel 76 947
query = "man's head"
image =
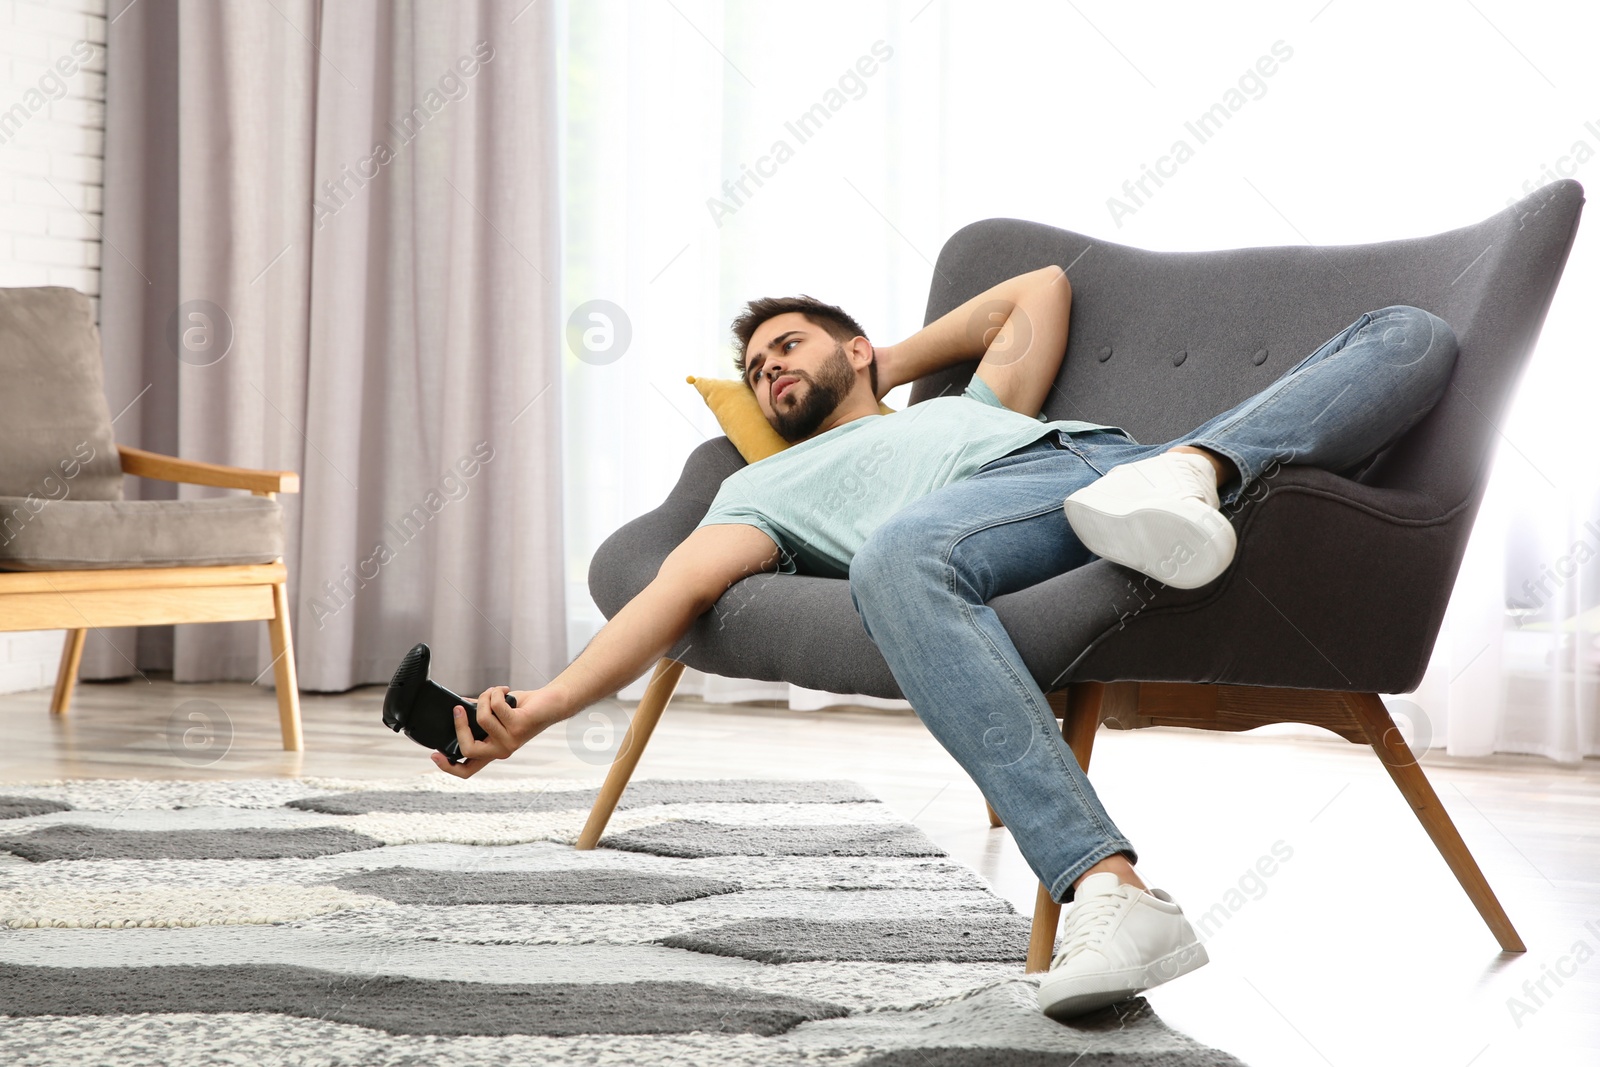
pixel 804 360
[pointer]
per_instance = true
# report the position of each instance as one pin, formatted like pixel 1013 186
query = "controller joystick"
pixel 424 710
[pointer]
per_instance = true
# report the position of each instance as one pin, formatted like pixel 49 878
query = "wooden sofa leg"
pixel 1402 766
pixel 1085 705
pixel 1042 938
pixel 67 673
pixel 994 816
pixel 656 695
pixel 283 672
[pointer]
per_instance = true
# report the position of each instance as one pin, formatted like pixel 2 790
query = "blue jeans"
pixel 922 580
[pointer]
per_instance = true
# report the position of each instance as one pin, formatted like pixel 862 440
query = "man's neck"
pixel 858 406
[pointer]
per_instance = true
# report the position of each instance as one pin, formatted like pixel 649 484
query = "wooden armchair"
pixel 75 556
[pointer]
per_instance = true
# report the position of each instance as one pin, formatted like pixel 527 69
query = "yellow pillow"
pixel 739 414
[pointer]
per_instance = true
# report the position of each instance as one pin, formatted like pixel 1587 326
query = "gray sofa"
pixel 1363 568
pixel 1340 584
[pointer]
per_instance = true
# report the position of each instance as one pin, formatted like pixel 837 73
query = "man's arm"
pixel 1018 327
pixel 690 581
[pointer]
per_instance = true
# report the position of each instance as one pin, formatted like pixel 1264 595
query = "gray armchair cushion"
pixel 100 534
pixel 55 427
pixel 1339 583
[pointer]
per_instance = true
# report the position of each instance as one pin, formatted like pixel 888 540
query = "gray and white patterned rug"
pixel 316 921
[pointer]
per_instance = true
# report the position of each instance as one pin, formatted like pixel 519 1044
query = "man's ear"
pixel 859 349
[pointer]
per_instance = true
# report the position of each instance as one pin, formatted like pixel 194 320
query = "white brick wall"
pixel 52 147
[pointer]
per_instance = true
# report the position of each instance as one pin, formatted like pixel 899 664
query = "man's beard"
pixel 800 419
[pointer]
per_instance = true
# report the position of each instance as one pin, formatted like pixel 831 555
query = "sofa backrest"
pixel 55 426
pixel 1161 341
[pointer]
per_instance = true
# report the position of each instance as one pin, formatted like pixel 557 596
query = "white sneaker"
pixel 1117 940
pixel 1159 516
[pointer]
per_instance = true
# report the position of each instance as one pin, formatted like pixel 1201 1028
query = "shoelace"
pixel 1087 924
pixel 1191 480
pixel 1195 483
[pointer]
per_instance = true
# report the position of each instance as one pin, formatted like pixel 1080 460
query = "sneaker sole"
pixel 1174 550
pixel 1082 994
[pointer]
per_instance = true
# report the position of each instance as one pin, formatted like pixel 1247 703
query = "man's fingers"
pixel 460 770
pixel 464 736
pixel 497 745
pixel 490 708
pixel 441 761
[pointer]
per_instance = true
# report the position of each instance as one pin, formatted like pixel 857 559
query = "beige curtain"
pixel 331 239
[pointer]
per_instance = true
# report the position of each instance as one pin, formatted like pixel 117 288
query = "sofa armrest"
pixel 627 560
pixel 1402 507
pixel 1336 585
pixel 142 464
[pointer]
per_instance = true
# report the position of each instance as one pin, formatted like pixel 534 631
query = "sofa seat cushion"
pixel 46 535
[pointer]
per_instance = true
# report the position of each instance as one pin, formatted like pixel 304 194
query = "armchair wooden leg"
pixel 994 816
pixel 656 695
pixel 283 672
pixel 67 673
pixel 1085 706
pixel 1414 786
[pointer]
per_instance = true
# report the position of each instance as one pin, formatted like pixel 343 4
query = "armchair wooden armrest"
pixel 142 464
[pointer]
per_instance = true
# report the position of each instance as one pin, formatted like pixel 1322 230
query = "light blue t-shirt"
pixel 820 499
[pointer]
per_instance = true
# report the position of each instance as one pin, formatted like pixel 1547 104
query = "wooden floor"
pixel 1359 949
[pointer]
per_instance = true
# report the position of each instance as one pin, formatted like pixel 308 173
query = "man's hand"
pixel 509 728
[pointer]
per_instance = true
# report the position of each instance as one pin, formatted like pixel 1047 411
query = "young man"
pixel 935 510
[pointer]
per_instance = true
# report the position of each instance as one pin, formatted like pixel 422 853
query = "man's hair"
pixel 839 325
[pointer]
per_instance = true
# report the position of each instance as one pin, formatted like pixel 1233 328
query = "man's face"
pixel 799 373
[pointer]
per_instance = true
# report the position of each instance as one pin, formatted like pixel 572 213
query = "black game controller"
pixel 424 710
